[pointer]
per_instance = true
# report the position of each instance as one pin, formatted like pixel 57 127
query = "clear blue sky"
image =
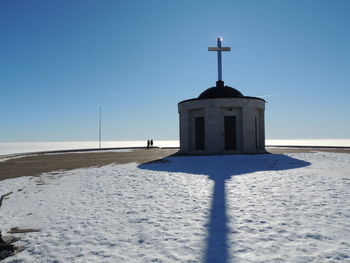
pixel 61 60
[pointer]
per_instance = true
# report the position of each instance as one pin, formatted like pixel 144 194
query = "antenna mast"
pixel 99 134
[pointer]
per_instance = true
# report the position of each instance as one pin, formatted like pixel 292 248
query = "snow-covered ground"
pixel 30 147
pixel 309 142
pixel 242 208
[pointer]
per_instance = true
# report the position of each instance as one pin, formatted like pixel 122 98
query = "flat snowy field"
pixel 251 208
pixel 27 147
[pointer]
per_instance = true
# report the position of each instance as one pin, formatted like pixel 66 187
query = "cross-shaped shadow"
pixel 219 169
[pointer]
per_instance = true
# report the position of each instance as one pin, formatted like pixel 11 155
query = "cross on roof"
pixel 219 49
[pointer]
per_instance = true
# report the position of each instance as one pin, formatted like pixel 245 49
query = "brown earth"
pixel 34 165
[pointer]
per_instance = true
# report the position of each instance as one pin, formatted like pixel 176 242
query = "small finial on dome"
pixel 220 84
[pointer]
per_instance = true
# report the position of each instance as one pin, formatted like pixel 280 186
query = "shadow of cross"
pixel 220 169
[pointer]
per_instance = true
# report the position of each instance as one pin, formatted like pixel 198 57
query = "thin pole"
pixel 99 134
pixel 219 59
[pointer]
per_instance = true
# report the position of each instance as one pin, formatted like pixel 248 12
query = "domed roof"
pixel 220 91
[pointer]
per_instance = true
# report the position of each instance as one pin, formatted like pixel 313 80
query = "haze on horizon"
pixel 60 61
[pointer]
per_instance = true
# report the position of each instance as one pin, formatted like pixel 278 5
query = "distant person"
pixel 151 143
pixel 148 144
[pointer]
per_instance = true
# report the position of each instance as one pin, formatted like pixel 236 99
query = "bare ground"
pixel 34 165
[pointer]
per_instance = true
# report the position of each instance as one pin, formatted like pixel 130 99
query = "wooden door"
pixel 230 133
pixel 199 133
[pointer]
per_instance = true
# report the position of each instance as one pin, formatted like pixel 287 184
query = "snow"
pixel 9 157
pixel 241 208
pixel 7 148
pixel 309 142
pixel 30 147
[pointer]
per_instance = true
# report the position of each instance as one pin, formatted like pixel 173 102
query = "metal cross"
pixel 219 49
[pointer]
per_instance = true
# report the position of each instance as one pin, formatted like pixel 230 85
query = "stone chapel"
pixel 221 120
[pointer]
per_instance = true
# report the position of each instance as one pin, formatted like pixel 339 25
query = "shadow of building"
pixel 219 169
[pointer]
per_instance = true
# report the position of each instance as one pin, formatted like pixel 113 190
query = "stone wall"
pixel 250 129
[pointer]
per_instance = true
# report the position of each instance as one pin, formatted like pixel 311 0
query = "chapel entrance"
pixel 199 133
pixel 230 133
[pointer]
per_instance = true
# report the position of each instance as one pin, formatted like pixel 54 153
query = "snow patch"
pixel 251 208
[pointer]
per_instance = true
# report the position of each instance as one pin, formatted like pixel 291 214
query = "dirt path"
pixel 35 165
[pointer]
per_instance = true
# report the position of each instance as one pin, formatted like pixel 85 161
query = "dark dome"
pixel 220 91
